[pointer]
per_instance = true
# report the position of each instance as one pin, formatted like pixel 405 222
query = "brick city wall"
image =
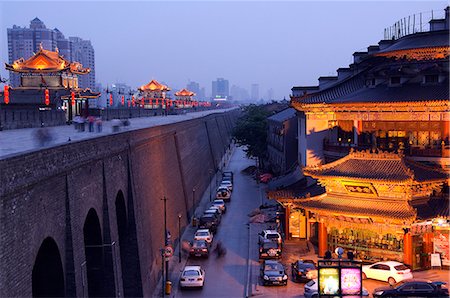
pixel 49 193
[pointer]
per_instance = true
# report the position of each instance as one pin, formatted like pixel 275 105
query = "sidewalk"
pixel 175 266
pixel 20 141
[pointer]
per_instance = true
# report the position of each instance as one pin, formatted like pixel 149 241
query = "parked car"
pixel 204 234
pixel 270 235
pixel 413 288
pixel 303 270
pixel 311 290
pixel 192 276
pixel 214 212
pixel 273 273
pixel 227 184
pixel 199 248
pixel 220 204
pixel 223 193
pixel 208 221
pixel 269 249
pixel 217 208
pixel 227 174
pixel 389 271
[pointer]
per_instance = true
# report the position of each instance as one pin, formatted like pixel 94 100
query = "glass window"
pixel 423 287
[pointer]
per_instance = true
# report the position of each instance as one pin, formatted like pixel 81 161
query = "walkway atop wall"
pixel 19 141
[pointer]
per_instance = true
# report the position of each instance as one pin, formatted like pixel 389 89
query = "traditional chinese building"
pixel 393 98
pixel 185 99
pixel 154 95
pixel 48 93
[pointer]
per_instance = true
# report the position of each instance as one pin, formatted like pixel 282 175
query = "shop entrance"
pixel 297 224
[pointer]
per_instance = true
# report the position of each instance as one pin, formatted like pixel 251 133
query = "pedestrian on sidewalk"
pixel 99 124
pixel 91 121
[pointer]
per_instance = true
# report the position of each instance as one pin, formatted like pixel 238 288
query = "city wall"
pixel 116 183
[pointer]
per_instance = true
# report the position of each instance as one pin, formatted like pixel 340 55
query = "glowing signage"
pixel 328 281
pixel 351 281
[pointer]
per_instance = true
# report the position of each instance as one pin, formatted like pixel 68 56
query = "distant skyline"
pixel 276 45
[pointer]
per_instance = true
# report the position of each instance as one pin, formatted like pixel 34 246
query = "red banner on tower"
pixel 6 94
pixel 47 97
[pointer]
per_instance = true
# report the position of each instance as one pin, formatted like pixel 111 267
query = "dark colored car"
pixel 413 288
pixel 269 249
pixel 303 270
pixel 227 174
pixel 208 221
pixel 216 213
pixel 199 248
pixel 273 273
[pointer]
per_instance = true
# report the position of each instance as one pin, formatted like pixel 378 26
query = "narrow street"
pixel 227 276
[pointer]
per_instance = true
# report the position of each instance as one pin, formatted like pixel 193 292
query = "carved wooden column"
pixel 323 239
pixel 407 249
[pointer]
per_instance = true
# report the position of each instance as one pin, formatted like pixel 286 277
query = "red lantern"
pixel 123 100
pixel 156 102
pixel 133 103
pixel 72 95
pixel 6 94
pixel 110 100
pixel 47 97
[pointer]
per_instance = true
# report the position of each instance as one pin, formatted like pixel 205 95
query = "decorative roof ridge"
pixel 424 167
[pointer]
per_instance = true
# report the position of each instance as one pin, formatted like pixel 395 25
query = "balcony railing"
pixel 442 151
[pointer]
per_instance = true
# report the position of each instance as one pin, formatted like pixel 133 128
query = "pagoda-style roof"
pixel 333 205
pixel 154 85
pixel 184 92
pixel 45 61
pixel 377 166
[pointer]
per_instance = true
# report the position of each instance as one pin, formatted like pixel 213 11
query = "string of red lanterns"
pixel 6 94
pixel 47 97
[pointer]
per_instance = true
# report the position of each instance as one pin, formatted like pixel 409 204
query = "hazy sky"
pixel 275 44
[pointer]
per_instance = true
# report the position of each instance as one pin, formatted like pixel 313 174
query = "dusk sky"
pixel 274 44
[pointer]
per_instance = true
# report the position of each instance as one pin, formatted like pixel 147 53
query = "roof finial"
pixel 56 50
pixel 40 46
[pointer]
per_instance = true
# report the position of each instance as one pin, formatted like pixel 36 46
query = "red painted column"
pixel 323 239
pixel 407 249
pixel 427 248
pixel 287 215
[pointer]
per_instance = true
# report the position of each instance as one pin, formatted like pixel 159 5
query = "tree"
pixel 251 131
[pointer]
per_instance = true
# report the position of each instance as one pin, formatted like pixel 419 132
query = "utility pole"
pixel 179 238
pixel 166 240
pixel 193 203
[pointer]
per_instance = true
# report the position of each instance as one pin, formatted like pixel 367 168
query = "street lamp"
pixel 179 238
pixel 193 202
pixel 166 240
pixel 210 186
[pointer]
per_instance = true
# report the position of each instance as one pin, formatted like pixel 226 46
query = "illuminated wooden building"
pixel 185 99
pixel 154 95
pixel 389 200
pixel 48 83
pixel 394 96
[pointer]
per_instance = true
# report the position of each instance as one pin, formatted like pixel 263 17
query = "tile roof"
pixel 435 207
pixel 283 115
pixel 420 40
pixel 296 191
pixel 377 166
pixel 340 205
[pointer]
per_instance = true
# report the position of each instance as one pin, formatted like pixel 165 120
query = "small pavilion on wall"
pixel 185 99
pixel 382 206
pixel 154 95
pixel 48 82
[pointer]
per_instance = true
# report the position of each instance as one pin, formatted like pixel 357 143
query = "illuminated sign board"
pixel 351 281
pixel 328 281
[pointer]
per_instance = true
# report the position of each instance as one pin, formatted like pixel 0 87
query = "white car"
pixel 223 193
pixel 192 276
pixel 389 271
pixel 228 184
pixel 270 235
pixel 203 234
pixel 220 204
pixel 312 289
pixel 214 207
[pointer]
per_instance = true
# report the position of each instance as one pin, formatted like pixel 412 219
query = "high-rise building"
pixel 220 88
pixel 255 92
pixel 24 42
pixel 239 93
pixel 82 51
